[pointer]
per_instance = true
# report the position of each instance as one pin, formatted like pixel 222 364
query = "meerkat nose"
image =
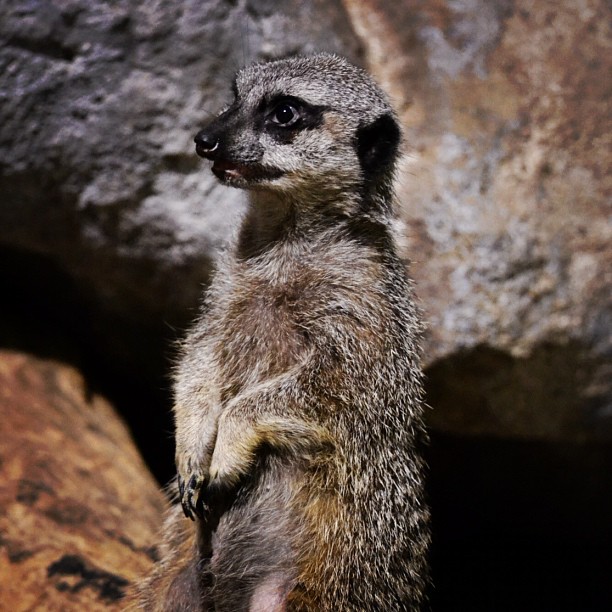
pixel 206 144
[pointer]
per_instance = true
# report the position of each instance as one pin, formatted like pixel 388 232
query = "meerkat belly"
pixel 254 561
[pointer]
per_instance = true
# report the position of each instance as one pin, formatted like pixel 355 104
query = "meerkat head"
pixel 308 124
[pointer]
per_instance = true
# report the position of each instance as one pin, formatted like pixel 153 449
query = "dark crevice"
pixel 520 525
pixel 547 394
pixel 110 587
pixel 48 48
pixel 46 313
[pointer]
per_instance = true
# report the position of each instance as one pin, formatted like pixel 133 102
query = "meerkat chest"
pixel 258 332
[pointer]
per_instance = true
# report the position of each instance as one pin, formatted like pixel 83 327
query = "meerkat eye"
pixel 285 114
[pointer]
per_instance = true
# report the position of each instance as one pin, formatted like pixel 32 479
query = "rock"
pixel 504 186
pixel 505 191
pixel 79 510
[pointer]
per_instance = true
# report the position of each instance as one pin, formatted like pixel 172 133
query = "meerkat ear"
pixel 377 145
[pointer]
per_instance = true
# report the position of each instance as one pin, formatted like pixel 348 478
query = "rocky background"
pixel 109 224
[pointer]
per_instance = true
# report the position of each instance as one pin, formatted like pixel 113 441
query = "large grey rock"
pixel 504 187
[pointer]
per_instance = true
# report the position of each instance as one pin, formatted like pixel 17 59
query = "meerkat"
pixel 298 393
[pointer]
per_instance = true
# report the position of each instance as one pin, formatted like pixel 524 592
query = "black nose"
pixel 206 144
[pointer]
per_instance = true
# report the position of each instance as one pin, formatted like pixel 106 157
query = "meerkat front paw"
pixel 239 437
pixel 222 454
pixel 192 467
pixel 202 482
pixel 195 440
pixel 191 486
pixel 228 452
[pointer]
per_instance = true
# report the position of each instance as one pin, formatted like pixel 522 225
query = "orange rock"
pixel 78 508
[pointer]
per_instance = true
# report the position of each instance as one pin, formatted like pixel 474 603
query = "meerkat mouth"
pixel 224 170
pixel 230 172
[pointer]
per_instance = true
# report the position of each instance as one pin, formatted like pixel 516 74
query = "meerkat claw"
pixel 191 496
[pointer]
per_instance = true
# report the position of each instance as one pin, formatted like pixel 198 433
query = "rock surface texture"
pixel 79 511
pixel 99 107
pixel 506 192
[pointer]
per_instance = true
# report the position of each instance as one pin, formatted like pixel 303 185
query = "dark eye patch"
pixel 284 116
